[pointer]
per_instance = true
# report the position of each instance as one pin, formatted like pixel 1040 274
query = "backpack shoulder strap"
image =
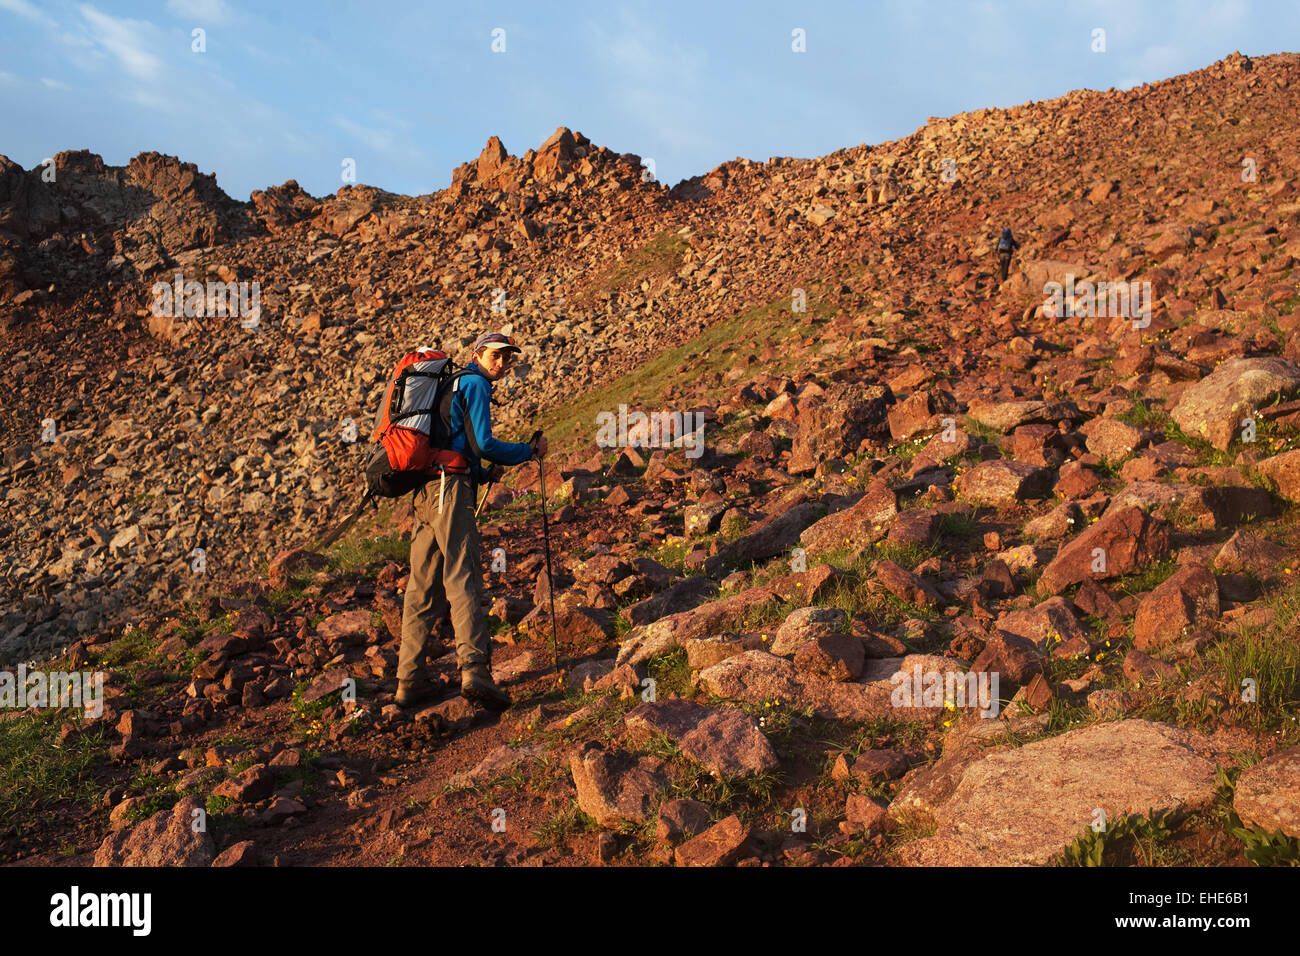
pixel 466 425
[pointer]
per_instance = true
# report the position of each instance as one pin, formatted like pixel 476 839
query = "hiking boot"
pixel 414 693
pixel 478 685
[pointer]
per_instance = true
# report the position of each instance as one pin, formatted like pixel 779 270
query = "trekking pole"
pixel 550 576
pixel 486 491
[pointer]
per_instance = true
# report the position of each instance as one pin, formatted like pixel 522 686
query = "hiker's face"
pixel 496 362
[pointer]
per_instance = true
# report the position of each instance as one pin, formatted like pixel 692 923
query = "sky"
pixel 270 91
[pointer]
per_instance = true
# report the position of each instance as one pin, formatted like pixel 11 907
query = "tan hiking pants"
pixel 446 568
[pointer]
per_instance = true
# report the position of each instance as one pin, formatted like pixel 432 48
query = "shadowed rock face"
pixel 154 207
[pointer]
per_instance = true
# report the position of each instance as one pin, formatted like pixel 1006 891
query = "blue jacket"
pixel 475 393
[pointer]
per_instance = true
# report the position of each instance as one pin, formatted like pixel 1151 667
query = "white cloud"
pixel 125 40
pixel 152 101
pixel 55 84
pixel 205 11
pixel 378 140
pixel 24 9
pixel 383 134
pixel 270 58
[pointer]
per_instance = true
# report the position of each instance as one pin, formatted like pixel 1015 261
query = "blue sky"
pixel 288 90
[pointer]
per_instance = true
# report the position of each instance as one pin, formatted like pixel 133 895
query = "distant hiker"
pixel 1006 246
pixel 446 555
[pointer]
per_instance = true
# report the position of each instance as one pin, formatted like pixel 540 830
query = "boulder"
pixel 856 527
pixel 1185 602
pixel 672 631
pixel 1250 553
pixel 1047 624
pixel 1214 407
pixel 835 427
pixel 1267 795
pixel 615 786
pixel 836 657
pixel 905 585
pixel 723 739
pixel 1122 542
pixel 681 819
pixel 683 596
pixel 1024 806
pixel 1006 417
pixel 1112 440
pixel 1283 473
pixel 720 845
pixel 1015 659
pixel 1003 482
pixel 769 539
pixel 167 838
pixel 805 624
pixel 1205 506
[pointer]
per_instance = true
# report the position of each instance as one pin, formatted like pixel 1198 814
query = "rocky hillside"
pixel 908 466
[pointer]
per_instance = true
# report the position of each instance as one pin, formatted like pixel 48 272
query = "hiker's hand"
pixel 495 474
pixel 539 448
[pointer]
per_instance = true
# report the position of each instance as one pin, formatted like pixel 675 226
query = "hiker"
pixel 445 548
pixel 1006 246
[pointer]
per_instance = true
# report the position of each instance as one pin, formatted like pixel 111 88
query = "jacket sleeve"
pixel 478 426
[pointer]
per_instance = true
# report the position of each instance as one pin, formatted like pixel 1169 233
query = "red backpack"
pixel 413 425
pixel 412 435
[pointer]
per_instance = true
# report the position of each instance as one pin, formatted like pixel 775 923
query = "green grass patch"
pixel 660 256
pixel 960 527
pixel 151 805
pixel 981 433
pixel 1268 849
pixel 218 805
pixel 1147 579
pixel 306 716
pixel 1144 415
pixel 671 674
pixel 135 646
pixel 37 772
pixel 904 555
pixel 1265 662
pixel 351 555
pixel 713 350
pixel 1131 840
pixel 732 529
pixel 1207 456
pixel 564 824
